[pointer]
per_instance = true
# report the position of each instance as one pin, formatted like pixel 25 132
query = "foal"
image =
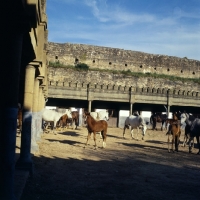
pixel 175 131
pixel 94 127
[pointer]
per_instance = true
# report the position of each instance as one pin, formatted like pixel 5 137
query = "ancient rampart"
pixel 120 59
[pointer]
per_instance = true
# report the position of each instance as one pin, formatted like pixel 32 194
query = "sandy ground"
pixel 125 169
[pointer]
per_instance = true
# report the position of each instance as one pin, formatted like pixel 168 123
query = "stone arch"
pixel 164 91
pixel 149 90
pixel 180 92
pixel 154 90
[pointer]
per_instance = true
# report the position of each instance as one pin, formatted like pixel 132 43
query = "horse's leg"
pixel 176 142
pixel 143 132
pixel 168 141
pixel 100 134
pixel 52 127
pixel 95 143
pixel 73 124
pixel 124 131
pixel 162 125
pixel 184 140
pixel 137 132
pixel 88 137
pixel 104 138
pixel 190 145
pixel 77 122
pixel 197 137
pixel 173 140
pixel 131 131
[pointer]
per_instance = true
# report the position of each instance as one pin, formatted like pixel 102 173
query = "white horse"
pixel 194 130
pixel 53 116
pixel 101 115
pixel 132 122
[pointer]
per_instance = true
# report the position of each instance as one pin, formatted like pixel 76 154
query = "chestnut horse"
pixel 75 119
pixel 94 127
pixel 174 130
pixel 65 120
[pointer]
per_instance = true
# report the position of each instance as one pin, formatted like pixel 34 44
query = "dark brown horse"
pixel 64 121
pixel 94 127
pixel 187 131
pixel 175 131
pixel 75 119
pixel 158 117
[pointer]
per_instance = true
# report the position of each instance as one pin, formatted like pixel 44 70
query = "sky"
pixel 165 27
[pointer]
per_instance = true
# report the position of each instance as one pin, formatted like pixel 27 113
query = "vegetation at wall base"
pixel 82 66
pixel 85 67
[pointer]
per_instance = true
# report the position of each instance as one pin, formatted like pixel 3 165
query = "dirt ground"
pixel 125 169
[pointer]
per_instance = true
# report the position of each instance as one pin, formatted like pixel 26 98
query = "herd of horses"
pixel 96 122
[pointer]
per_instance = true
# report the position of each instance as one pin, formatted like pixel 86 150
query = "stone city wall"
pixel 120 59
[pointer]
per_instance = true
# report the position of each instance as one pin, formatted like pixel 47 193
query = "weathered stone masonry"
pixel 120 59
pixel 67 76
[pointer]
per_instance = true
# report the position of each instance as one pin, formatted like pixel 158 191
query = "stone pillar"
pixel 89 106
pixel 34 125
pixel 168 110
pixel 11 48
pixel 40 108
pixel 131 109
pixel 25 161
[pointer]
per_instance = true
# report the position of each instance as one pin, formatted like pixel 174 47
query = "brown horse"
pixel 63 121
pixel 174 130
pixel 157 117
pixel 75 119
pixel 94 127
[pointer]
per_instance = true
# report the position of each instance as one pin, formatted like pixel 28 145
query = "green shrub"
pixel 82 66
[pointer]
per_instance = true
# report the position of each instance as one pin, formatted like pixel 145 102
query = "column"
pixel 25 161
pixel 131 109
pixel 168 110
pixel 40 108
pixel 11 48
pixel 89 106
pixel 34 125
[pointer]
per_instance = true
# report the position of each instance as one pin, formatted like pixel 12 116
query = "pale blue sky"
pixel 167 27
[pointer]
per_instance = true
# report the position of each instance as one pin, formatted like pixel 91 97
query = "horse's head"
pixel 85 116
pixel 184 117
pixel 175 116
